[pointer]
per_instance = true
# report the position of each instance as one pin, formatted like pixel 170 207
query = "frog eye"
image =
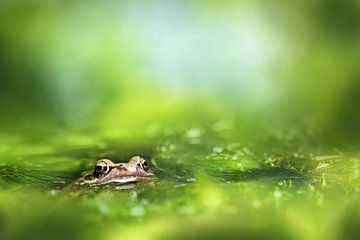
pixel 144 165
pixel 101 169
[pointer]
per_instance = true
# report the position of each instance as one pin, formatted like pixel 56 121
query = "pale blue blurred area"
pixel 274 59
pixel 170 44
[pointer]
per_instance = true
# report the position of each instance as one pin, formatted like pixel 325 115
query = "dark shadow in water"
pixel 186 174
pixel 270 175
pixel 12 175
pixel 350 221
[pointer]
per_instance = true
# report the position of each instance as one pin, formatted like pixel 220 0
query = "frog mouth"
pixel 123 180
pixel 126 180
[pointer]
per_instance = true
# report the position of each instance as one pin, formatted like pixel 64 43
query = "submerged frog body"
pixel 108 172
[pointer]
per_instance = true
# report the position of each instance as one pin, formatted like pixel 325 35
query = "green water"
pixel 208 185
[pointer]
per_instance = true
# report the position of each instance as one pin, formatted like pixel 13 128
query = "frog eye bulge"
pixel 144 165
pixel 101 169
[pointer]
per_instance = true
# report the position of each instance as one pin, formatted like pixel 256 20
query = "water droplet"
pixel 256 204
pixel 277 194
pixel 322 165
pixel 193 133
pixel 218 149
pixel 137 211
pixel 103 208
pixel 187 210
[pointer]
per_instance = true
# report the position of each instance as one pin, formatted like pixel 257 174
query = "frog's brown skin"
pixel 107 172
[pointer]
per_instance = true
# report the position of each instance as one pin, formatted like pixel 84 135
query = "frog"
pixel 107 172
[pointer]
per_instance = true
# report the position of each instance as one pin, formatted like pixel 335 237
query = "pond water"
pixel 204 180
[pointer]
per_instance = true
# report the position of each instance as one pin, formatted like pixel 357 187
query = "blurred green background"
pixel 246 110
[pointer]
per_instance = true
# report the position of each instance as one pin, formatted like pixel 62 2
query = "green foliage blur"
pixel 247 111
